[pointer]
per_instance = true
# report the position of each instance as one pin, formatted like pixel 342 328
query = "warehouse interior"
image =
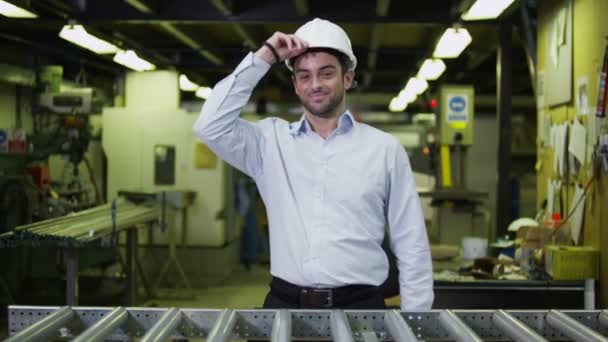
pixel 109 200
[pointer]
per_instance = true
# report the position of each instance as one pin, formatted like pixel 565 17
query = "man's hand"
pixel 285 45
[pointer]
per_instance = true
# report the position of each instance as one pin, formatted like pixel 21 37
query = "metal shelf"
pixel 30 322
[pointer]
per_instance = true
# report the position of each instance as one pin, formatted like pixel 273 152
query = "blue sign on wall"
pixel 457 108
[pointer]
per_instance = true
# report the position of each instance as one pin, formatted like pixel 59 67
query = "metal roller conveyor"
pixel 281 327
pixel 28 323
pixel 340 328
pixel 458 329
pixel 46 327
pixel 104 327
pixel 164 327
pixel 572 328
pixel 398 328
pixel 222 329
pixel 515 329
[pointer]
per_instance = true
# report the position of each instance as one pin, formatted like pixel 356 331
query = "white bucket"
pixel 474 247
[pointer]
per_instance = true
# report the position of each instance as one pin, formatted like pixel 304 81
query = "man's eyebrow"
pixel 325 67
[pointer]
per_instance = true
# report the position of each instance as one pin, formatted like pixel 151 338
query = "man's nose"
pixel 316 82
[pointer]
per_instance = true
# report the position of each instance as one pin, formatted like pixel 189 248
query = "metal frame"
pixel 97 323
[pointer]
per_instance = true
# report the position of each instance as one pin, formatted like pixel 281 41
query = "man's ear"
pixel 349 76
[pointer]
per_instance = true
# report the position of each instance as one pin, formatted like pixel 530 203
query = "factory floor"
pixel 243 289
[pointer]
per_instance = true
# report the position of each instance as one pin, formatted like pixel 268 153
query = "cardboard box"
pixel 572 262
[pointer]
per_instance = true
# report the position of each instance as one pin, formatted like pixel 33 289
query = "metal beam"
pixel 572 328
pixel 222 329
pixel 281 327
pixel 104 327
pixel 604 318
pixel 191 43
pixel 504 69
pixel 157 57
pixel 340 328
pixel 142 6
pixel 201 12
pixel 372 57
pixel 457 329
pixel 515 329
pixel 382 7
pixel 223 8
pixel 45 328
pixel 164 326
pixel 369 336
pixel 398 328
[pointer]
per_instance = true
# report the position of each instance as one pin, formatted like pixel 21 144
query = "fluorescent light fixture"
pixel 407 95
pixel 186 85
pixel 397 104
pixel 76 34
pixel 203 92
pixel 9 10
pixel 452 43
pixel 486 9
pixel 416 85
pixel 431 69
pixel 131 60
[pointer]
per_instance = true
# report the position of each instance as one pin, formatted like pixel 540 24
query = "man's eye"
pixel 304 77
pixel 328 74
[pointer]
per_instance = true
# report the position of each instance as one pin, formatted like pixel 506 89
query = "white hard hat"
pixel 321 33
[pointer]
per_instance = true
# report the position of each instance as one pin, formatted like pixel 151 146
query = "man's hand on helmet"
pixel 285 45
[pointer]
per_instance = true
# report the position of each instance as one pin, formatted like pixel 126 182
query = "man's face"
pixel 320 83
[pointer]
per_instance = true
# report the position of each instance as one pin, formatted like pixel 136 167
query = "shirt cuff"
pixel 251 69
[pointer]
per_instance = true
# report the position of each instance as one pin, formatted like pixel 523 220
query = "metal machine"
pixel 456 204
pixel 27 323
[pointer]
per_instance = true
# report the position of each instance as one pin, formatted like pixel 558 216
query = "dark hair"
pixel 343 59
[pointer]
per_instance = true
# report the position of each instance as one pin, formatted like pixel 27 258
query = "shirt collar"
pixel 345 123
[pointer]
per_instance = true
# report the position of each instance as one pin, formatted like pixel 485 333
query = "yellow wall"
pixel 590 33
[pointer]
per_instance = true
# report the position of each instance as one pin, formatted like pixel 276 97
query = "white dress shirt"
pixel 328 200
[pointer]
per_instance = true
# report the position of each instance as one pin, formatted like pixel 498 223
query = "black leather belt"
pixel 310 297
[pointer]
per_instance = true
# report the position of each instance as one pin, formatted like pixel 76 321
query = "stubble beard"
pixel 327 110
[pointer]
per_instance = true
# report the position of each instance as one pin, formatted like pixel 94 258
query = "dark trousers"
pixel 351 298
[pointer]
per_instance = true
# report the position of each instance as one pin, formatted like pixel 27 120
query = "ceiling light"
pixel 186 85
pixel 431 69
pixel 452 43
pixel 486 9
pixel 203 92
pixel 397 104
pixel 76 34
pixel 416 85
pixel 131 60
pixel 9 10
pixel 407 95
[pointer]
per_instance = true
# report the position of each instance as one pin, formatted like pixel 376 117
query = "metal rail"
pixel 46 327
pixel 340 328
pixel 28 323
pixel 223 327
pixel 398 328
pixel 83 227
pixel 457 328
pixel 514 328
pixel 281 328
pixel 572 328
pixel 104 327
pixel 164 327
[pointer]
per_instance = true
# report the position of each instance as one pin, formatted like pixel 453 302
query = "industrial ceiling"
pixel 205 39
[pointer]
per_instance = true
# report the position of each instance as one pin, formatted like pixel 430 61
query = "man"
pixel 329 183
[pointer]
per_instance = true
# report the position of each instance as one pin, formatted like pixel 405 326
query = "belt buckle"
pixel 328 296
